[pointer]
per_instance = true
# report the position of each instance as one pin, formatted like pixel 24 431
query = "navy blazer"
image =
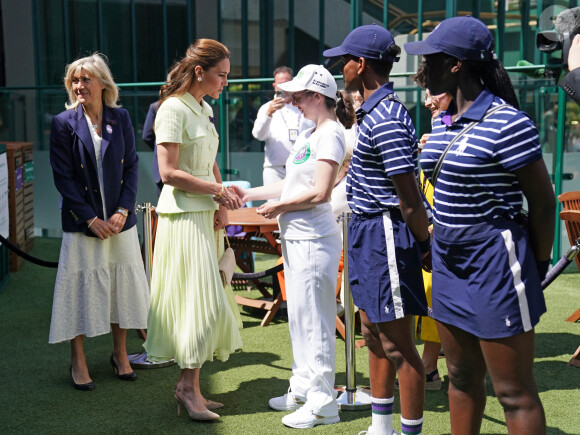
pixel 74 167
pixel 148 137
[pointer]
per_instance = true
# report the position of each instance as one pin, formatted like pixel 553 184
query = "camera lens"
pixel 548 41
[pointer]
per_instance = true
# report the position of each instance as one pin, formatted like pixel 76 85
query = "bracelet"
pixel 91 222
pixel 425 245
pixel 220 194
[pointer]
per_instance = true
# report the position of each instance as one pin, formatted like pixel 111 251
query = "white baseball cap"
pixel 314 78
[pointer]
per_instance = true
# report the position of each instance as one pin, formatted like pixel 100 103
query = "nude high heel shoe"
pixel 209 404
pixel 206 415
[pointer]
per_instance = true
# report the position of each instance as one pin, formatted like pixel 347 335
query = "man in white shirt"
pixel 278 124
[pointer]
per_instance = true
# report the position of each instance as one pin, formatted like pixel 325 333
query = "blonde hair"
pixel 206 53
pixel 96 66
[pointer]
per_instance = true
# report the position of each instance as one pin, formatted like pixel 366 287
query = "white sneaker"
pixel 305 418
pixel 287 402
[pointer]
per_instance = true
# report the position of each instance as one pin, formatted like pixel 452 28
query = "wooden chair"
pixel 270 306
pixel 570 214
pixel 339 323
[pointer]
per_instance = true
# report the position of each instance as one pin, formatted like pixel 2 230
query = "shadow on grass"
pixel 556 344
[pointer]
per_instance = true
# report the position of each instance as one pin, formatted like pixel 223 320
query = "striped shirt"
pixel 386 145
pixel 477 182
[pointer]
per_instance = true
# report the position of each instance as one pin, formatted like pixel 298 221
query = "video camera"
pixel 567 25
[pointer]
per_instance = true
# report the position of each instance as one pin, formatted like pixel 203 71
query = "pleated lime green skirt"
pixel 190 318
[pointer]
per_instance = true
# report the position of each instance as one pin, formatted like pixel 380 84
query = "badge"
pixel 109 129
pixel 302 155
pixel 293 134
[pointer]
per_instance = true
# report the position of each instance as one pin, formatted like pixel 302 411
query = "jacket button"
pixel 122 181
pixel 122 161
pixel 86 188
pixel 82 167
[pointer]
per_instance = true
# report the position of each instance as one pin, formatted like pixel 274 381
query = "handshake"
pixel 231 197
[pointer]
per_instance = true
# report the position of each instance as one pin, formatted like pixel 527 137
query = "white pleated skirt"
pixel 190 318
pixel 99 282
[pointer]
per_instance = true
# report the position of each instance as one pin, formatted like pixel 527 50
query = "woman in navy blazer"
pixel 101 283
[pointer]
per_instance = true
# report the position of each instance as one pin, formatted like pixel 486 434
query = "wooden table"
pixel 261 236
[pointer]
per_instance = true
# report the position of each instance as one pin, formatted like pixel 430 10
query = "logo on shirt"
pixel 302 155
pixel 461 147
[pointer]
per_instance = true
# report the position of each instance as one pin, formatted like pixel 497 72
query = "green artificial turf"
pixel 36 393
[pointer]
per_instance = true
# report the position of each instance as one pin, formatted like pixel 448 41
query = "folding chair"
pixel 571 217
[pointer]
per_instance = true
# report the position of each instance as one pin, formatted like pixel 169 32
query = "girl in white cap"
pixel 311 247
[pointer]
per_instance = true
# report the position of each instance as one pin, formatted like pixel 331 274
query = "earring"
pixel 198 78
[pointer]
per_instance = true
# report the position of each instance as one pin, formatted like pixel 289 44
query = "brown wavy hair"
pixel 345 109
pixel 204 52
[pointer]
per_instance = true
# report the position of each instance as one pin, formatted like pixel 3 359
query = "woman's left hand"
pixel 220 218
pixel 270 210
pixel 118 221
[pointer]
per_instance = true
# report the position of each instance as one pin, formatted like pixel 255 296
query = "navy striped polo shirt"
pixel 477 181
pixel 386 145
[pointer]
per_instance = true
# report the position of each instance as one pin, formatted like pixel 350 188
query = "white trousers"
pixel 311 271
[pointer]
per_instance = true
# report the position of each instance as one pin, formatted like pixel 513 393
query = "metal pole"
pixel 352 398
pixel 558 169
pixel 147 240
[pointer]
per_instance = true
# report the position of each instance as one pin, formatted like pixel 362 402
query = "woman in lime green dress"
pixel 190 318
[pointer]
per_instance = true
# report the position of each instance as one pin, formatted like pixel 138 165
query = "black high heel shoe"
pixel 125 376
pixel 82 387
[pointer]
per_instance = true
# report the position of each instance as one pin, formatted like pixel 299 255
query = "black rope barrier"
pixel 562 264
pixel 550 277
pixel 26 256
pixel 258 275
pixel 40 262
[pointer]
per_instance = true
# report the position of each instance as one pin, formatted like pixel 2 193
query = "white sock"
pixel 382 415
pixel 411 427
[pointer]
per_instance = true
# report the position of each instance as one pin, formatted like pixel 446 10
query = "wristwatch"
pixel 123 211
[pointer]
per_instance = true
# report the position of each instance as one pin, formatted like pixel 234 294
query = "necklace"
pixel 89 117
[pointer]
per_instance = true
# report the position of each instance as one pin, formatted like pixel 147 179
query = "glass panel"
pixel 151 66
pixel 231 26
pixel 52 44
pixel 177 42
pixel 12 116
pixel 83 21
pixel 118 48
pixel 306 32
pixel 281 32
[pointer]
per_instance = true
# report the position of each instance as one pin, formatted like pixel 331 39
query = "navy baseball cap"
pixel 370 42
pixel 465 38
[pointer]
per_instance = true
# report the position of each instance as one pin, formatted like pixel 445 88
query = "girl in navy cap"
pixel 487 269
pixel 389 219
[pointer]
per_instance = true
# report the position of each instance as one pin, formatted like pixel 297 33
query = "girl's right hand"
pixel 241 192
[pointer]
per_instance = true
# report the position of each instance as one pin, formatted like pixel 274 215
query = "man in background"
pixel 278 124
pixel 148 137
